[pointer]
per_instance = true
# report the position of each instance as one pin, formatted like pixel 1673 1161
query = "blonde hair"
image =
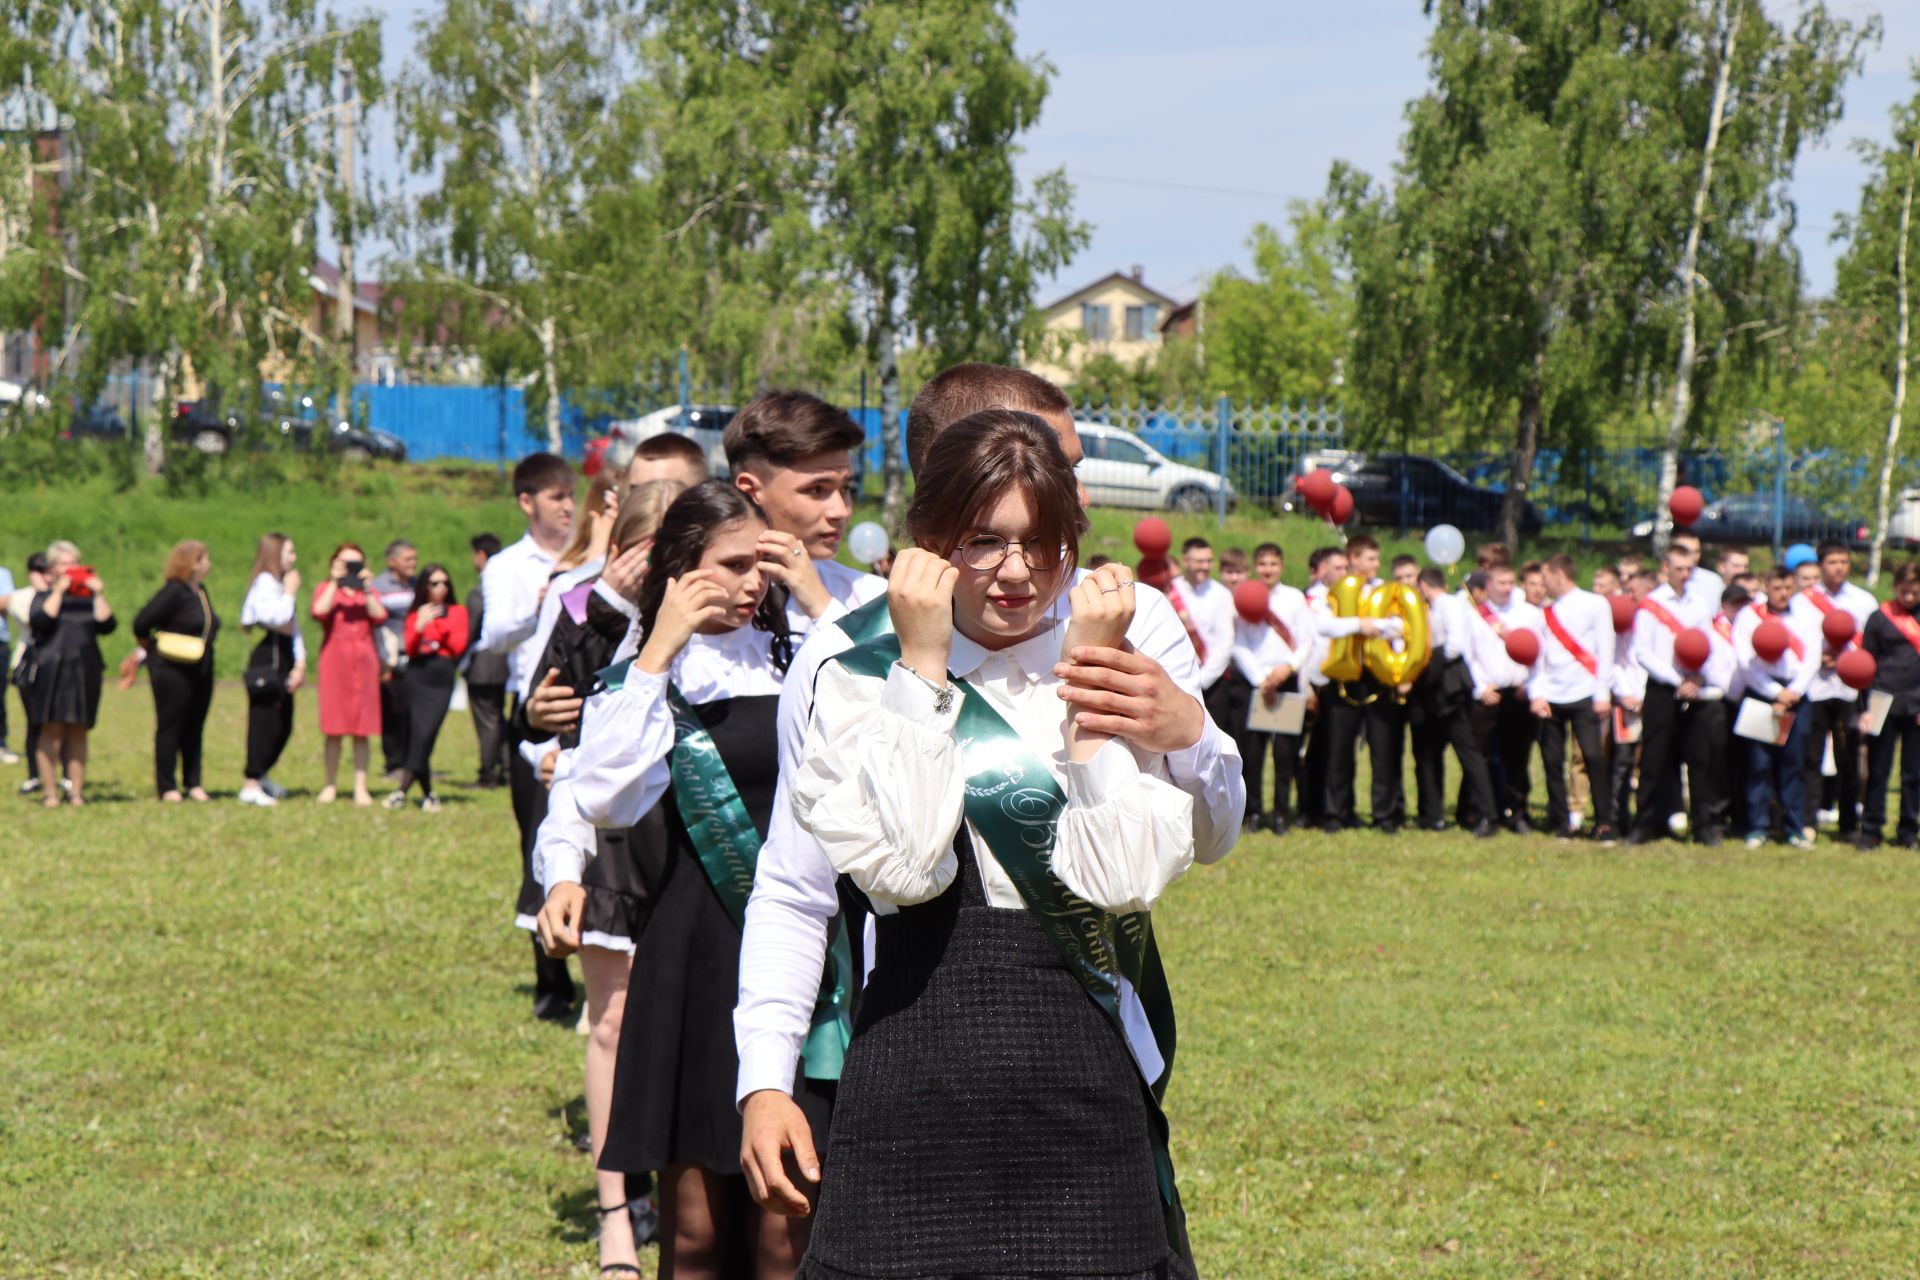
pixel 641 513
pixel 61 547
pixel 576 553
pixel 184 559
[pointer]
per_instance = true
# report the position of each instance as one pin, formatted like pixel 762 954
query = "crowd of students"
pixel 1710 702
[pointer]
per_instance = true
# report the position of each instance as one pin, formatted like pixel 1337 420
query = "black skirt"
pixel 990 1120
pixel 673 1080
pixel 429 692
pixel 621 882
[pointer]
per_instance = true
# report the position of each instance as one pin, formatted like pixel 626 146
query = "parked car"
pixel 296 419
pixel 1748 518
pixel 701 423
pixel 1903 521
pixel 1409 491
pixel 1121 470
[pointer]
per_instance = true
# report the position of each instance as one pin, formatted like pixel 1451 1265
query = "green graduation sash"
pixel 1014 805
pixel 728 846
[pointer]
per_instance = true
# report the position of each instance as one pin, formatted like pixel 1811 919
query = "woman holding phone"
pixel 349 667
pixel 64 697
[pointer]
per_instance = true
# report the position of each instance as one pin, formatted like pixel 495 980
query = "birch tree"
pixel 1873 289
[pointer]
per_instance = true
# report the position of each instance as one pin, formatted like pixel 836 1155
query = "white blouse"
pixel 619 771
pixel 268 605
pixel 882 783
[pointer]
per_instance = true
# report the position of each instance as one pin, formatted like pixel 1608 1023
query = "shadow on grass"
pixel 574 1219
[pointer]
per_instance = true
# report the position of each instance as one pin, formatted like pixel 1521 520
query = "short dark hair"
pixel 987 454
pixel 1684 535
pixel 1233 558
pixel 1434 576
pixel 485 542
pixel 1269 549
pixel 1195 543
pixel 668 445
pixel 1733 549
pixel 1361 542
pixel 1779 573
pixel 1831 548
pixel 1735 596
pixel 1401 560
pixel 1489 554
pixel 1906 571
pixel 1532 566
pixel 782 427
pixel 539 472
pixel 395 547
pixel 966 389
pixel 1561 563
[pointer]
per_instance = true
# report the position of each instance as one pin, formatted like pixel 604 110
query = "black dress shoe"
pixel 1605 836
pixel 1865 840
pixel 1332 826
pixel 1483 830
pixel 1388 828
pixel 1278 824
pixel 554 1007
pixel 1710 838
pixel 1520 827
pixel 1906 842
pixel 1433 826
pixel 1637 836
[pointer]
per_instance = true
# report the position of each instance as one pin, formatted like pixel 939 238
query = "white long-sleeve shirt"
pixel 1453 622
pixel 1486 643
pixel 794 897
pixel 1716 675
pixel 1827 685
pixel 1258 649
pixel 269 607
pixel 1791 671
pixel 1210 605
pixel 1653 639
pixel 1559 676
pixel 510 589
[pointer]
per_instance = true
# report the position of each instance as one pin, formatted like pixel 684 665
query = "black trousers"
pixel 1622 757
pixel 1437 719
pixel 1674 733
pixel 1254 749
pixel 1313 757
pixel 393 720
pixel 1365 706
pixel 488 703
pixel 269 726
pixel 429 689
pixel 182 696
pixel 1901 735
pixel 6 670
pixel 1840 718
pixel 550 976
pixel 1504 735
pixel 1584 722
pixel 1341 719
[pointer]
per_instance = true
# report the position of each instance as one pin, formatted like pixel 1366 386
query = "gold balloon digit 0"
pixel 1389 665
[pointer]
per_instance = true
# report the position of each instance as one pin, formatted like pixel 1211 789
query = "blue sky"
pixel 1184 122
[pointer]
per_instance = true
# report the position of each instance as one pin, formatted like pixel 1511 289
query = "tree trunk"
pixel 345 325
pixel 1526 443
pixel 1689 260
pixel 892 451
pixel 550 374
pixel 1890 455
pixel 153 437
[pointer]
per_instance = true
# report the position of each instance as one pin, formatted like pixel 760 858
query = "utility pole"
pixel 343 320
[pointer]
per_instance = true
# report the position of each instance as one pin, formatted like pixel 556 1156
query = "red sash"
pixel 1761 612
pixel 1492 621
pixel 1900 618
pixel 1828 608
pixel 1571 645
pixel 1723 626
pixel 1286 636
pixel 1186 620
pixel 1663 614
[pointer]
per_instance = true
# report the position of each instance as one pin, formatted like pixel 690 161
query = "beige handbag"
pixel 176 646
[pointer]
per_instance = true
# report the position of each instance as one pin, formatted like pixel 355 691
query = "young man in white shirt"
pixel 1269 656
pixel 1777 773
pixel 1148 696
pixel 1571 689
pixel 1667 611
pixel 1325 566
pixel 1207 609
pixel 1832 704
pixel 512 586
pixel 1503 723
pixel 1704 586
pixel 1437 713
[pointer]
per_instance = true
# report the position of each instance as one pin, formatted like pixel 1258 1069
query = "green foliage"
pixel 1281 334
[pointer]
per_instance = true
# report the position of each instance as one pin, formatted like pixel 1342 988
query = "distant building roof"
pixel 1120 277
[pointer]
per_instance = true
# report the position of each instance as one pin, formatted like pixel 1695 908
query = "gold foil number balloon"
pixel 1345 660
pixel 1400 666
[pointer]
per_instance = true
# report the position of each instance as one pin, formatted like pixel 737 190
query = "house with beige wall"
pixel 1118 315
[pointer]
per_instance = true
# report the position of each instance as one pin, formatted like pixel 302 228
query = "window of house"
pixel 1143 322
pixel 1096 322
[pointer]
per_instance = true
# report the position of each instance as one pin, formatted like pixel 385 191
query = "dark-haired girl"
pixel 435 636
pixel 692 719
pixel 998 1109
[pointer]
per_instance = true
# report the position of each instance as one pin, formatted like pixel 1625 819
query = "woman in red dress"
pixel 349 667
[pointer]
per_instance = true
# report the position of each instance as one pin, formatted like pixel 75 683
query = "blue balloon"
pixel 1798 554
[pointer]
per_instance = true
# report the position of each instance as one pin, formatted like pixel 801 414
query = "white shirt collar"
pixel 1034 656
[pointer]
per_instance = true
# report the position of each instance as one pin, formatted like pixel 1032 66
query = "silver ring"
pixel 1106 591
pixel 797 551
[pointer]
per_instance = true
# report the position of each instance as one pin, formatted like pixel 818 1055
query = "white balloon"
pixel 1445 544
pixel 867 542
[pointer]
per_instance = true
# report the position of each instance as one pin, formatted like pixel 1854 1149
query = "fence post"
pixel 1779 484
pixel 686 392
pixel 1223 428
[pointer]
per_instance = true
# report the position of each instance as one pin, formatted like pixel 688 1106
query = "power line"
pixel 1179 186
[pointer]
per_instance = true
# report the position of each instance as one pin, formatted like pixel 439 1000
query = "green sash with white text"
pixel 1014 806
pixel 728 845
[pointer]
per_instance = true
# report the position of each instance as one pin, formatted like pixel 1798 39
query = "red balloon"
pixel 1856 669
pixel 1691 648
pixel 1837 627
pixel 1340 506
pixel 1317 487
pixel 1624 608
pixel 1155 571
pixel 1152 537
pixel 1252 600
pixel 1770 640
pixel 1523 647
pixel 1686 504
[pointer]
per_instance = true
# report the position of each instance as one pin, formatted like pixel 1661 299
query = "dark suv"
pixel 1409 491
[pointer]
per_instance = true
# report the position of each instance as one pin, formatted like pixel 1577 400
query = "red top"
pixel 444 637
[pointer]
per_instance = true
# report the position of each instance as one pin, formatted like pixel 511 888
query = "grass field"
pixel 246 1043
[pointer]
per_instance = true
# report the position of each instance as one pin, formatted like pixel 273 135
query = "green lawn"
pixel 296 1042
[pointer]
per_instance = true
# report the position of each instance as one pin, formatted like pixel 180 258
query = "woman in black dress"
pixel 998 1110
pixel 68 620
pixel 179 618
pixel 695 709
pixel 436 633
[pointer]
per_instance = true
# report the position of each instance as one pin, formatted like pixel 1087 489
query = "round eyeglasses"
pixel 984 551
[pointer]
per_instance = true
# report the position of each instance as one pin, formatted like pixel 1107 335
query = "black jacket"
pixel 1898 663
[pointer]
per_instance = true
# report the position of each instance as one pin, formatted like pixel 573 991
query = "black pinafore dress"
pixel 674 1076
pixel 990 1122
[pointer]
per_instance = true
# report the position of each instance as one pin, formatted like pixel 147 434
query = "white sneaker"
pixel 397 800
pixel 1827 818
pixel 255 796
pixel 1574 818
pixel 429 804
pixel 1755 842
pixel 9 757
pixel 1802 841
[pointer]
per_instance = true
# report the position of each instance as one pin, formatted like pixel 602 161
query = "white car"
pixel 1903 522
pixel 1121 470
pixel 700 423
